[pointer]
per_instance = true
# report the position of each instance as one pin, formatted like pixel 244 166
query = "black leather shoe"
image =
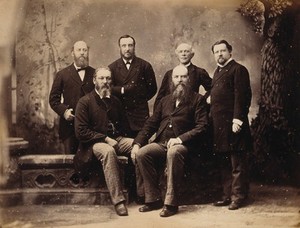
pixel 222 203
pixel 168 211
pixel 121 209
pixel 140 200
pixel 151 206
pixel 235 205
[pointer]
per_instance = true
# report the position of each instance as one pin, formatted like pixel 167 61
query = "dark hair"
pixel 126 36
pixel 229 47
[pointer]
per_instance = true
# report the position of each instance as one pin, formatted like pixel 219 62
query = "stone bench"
pixel 51 179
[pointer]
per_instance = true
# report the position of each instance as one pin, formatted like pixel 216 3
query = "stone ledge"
pixel 33 196
pixel 52 160
pixel 83 196
pixel 10 197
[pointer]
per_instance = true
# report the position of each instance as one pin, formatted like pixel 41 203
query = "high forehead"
pixel 103 73
pixel 184 46
pixel 80 44
pixel 126 40
pixel 221 46
pixel 180 70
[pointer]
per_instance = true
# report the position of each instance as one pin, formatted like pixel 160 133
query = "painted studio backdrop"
pixel 48 30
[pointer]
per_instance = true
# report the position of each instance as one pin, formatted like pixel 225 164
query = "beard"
pixel 81 61
pixel 181 92
pixel 104 90
pixel 128 55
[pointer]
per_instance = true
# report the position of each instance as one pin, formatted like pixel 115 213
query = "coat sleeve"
pixel 205 80
pixel 201 121
pixel 83 130
pixel 150 127
pixel 242 93
pixel 150 81
pixel 163 91
pixel 55 95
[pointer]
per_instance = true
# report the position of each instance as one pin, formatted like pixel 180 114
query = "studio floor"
pixel 268 206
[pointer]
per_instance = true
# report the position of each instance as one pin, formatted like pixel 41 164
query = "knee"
pixel 103 152
pixel 140 155
pixel 173 153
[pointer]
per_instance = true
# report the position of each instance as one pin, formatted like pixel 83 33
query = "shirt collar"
pixel 228 61
pixel 125 61
pixel 76 67
pixel 100 95
pixel 186 65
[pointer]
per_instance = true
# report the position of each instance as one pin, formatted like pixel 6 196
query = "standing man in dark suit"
pixel 197 76
pixel 178 121
pixel 99 126
pixel 71 83
pixel 134 83
pixel 230 102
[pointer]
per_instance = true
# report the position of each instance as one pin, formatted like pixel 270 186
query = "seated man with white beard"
pixel 178 121
pixel 100 125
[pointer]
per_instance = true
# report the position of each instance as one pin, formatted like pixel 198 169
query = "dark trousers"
pixel 71 144
pixel 234 173
pixel 153 157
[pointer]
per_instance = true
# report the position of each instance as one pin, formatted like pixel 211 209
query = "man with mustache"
pixel 197 76
pixel 134 83
pixel 71 83
pixel 100 127
pixel 230 102
pixel 178 121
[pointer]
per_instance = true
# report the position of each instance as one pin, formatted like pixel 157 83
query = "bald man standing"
pixel 197 76
pixel 178 121
pixel 71 83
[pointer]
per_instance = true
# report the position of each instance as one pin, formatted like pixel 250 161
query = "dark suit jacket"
pixel 68 84
pixel 140 86
pixel 230 99
pixel 197 76
pixel 188 120
pixel 91 125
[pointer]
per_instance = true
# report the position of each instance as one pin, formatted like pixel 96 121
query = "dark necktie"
pixel 107 102
pixel 127 65
pixel 79 69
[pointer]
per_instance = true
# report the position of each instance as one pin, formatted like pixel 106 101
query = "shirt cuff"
pixel 122 90
pixel 238 122
pixel 179 140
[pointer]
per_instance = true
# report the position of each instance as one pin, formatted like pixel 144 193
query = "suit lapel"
pixel 100 102
pixel 191 69
pixel 219 74
pixel 74 75
pixel 133 70
pixel 123 72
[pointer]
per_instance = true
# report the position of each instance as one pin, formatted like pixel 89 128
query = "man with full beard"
pixel 178 121
pixel 197 75
pixel 71 83
pixel 100 125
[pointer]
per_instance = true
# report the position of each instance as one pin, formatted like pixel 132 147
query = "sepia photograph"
pixel 149 113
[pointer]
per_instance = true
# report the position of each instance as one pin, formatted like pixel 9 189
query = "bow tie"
pixel 79 69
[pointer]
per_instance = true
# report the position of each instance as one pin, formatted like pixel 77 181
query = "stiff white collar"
pixel 228 61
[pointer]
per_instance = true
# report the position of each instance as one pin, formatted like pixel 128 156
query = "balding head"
pixel 180 70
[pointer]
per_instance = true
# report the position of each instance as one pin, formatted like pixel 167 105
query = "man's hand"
pixel 112 142
pixel 173 142
pixel 134 151
pixel 208 100
pixel 68 115
pixel 236 128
